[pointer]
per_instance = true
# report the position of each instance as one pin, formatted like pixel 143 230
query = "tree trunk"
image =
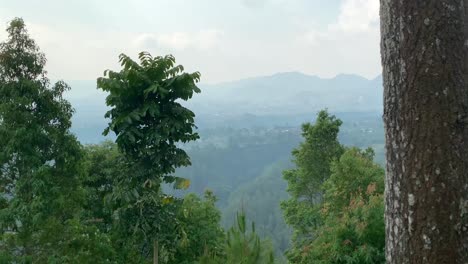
pixel 155 252
pixel 424 57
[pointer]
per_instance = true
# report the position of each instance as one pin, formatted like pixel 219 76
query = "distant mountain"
pixel 290 93
pixel 279 99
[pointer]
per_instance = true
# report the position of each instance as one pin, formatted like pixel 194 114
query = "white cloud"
pixel 202 40
pixel 357 16
pixel 146 41
pixel 350 44
pixel 176 40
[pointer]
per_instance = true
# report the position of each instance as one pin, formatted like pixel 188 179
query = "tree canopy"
pixel 149 122
pixel 312 158
pixel 40 160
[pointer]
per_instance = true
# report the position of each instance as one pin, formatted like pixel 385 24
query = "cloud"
pixel 146 41
pixel 176 40
pixel 201 40
pixel 357 16
pixel 254 3
pixel 350 43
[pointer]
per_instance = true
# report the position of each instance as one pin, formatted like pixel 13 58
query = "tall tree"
pixel 352 212
pixel 424 57
pixel 313 159
pixel 150 123
pixel 40 163
pixel 39 157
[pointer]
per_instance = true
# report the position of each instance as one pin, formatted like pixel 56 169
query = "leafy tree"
pixel 202 231
pixel 103 165
pixel 149 122
pixel 198 219
pixel 353 229
pixel 40 161
pixel 312 159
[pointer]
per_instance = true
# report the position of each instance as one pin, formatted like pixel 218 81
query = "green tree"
pixel 40 161
pixel 149 123
pixel 200 220
pixel 242 246
pixel 353 229
pixel 246 247
pixel 312 159
pixel 103 165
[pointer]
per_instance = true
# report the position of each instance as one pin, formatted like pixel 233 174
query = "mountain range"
pixel 279 99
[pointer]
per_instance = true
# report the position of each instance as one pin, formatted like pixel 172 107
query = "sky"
pixel 225 40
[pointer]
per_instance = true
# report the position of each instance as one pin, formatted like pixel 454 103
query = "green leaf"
pixel 181 184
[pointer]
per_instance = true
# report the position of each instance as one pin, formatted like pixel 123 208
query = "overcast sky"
pixel 223 39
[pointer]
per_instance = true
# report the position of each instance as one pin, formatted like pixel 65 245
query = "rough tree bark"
pixel 424 57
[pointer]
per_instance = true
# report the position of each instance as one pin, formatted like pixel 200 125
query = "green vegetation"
pixel 149 123
pixel 242 246
pixel 126 200
pixel 336 205
pixel 40 160
pixel 200 220
pixel 352 212
pixel 313 159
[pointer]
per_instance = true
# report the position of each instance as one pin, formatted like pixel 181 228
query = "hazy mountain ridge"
pixel 279 99
pixel 290 93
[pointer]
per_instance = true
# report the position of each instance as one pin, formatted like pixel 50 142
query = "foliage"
pixel 353 210
pixel 146 115
pixel 40 160
pixel 196 224
pixel 312 159
pixel 200 220
pixel 103 165
pixel 149 122
pixel 242 246
pixel 246 247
